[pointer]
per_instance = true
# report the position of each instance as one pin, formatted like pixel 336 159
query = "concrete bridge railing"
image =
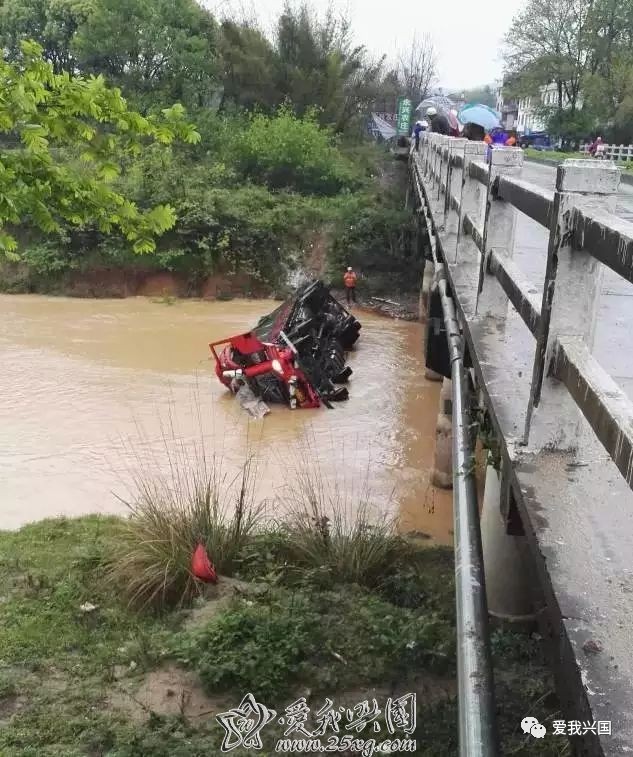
pixel 555 411
pixel 583 232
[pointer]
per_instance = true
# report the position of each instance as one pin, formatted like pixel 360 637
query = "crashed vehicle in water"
pixel 295 355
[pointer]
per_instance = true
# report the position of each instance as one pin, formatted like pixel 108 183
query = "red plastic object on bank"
pixel 202 567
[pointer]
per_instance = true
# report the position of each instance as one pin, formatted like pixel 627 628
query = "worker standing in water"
pixel 349 279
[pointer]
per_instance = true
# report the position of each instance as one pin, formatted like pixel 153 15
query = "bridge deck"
pixel 576 509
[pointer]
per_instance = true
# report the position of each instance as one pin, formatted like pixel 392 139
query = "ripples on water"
pixel 86 381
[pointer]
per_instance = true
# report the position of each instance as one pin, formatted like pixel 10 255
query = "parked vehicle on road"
pixel 537 140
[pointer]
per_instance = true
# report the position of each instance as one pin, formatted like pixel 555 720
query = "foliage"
pixel 546 43
pixel 51 23
pixel 291 152
pixel 330 639
pixel 417 69
pixel 584 48
pixel 159 51
pixel 249 62
pixel 571 126
pixel 44 111
pixel 341 541
pixel 246 199
pixel 226 225
pixel 49 570
pixel 320 66
pixel 484 94
pixel 57 693
pixel 375 234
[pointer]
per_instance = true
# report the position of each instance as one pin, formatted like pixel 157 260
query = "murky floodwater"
pixel 90 390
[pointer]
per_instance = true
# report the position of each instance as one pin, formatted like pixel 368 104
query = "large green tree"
pixel 249 65
pixel 319 66
pixel 42 114
pixel 51 23
pixel 608 86
pixel 159 50
pixel 547 42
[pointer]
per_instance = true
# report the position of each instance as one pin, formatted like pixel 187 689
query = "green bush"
pixel 248 199
pixel 326 640
pixel 286 152
pixel 375 235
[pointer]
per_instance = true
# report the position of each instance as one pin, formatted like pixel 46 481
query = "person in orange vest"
pixel 349 279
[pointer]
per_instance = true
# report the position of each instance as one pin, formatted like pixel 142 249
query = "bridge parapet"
pixel 555 410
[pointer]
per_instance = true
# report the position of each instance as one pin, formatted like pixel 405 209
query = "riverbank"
pixel 83 673
pixel 105 283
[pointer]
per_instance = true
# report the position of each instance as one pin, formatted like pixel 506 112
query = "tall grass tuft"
pixel 187 500
pixel 341 535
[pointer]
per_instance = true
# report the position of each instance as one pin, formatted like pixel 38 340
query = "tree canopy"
pixel 584 47
pixel 42 111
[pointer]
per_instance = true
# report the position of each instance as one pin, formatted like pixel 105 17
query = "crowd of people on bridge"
pixel 446 123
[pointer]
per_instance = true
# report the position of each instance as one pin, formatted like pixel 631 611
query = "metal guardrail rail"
pixel 477 717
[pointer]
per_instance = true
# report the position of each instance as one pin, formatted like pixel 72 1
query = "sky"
pixel 467 35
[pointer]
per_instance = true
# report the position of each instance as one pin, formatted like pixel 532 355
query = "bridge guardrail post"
pixel 428 171
pixel 434 157
pixel 571 297
pixel 442 178
pixel 456 149
pixel 470 190
pixel 425 146
pixel 499 226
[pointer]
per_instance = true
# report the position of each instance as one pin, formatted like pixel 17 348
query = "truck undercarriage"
pixel 296 354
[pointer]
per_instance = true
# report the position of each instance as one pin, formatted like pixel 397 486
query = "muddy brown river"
pixel 92 392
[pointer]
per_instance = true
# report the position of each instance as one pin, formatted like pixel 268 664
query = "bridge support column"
pixel 507 579
pixel 425 292
pixel 434 321
pixel 442 471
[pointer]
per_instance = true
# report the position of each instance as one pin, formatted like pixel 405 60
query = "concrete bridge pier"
pixel 508 586
pixel 442 471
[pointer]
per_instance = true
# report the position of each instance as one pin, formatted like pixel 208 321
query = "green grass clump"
pixel 48 570
pixel 169 515
pixel 324 639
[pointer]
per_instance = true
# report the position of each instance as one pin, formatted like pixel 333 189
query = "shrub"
pixel 374 234
pixel 324 640
pixel 287 152
pixel 345 539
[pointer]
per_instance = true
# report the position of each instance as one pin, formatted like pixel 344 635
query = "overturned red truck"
pixel 296 354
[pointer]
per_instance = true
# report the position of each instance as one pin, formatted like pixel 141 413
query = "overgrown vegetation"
pixel 285 633
pixel 326 602
pixel 584 49
pixel 278 164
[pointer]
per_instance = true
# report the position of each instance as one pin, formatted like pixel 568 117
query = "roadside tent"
pixel 382 128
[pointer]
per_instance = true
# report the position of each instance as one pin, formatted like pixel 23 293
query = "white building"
pixel 507 108
pixel 530 109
